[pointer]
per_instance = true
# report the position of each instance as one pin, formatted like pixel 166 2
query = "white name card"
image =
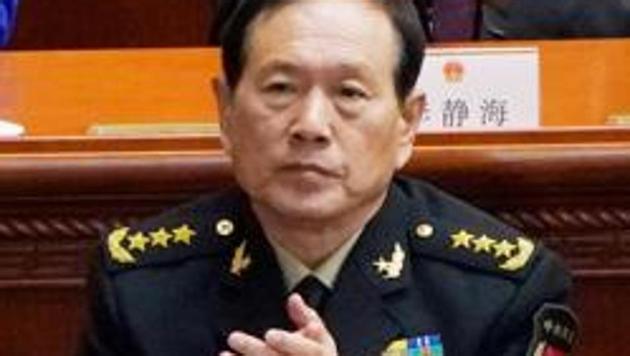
pixel 480 89
pixel 10 129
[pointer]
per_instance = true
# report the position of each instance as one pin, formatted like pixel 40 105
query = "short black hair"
pixel 238 15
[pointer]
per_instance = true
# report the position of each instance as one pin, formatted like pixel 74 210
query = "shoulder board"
pixel 446 228
pixel 202 228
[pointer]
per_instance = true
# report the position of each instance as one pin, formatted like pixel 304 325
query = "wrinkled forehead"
pixel 346 33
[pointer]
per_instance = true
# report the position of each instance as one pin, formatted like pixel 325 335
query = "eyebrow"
pixel 358 69
pixel 278 65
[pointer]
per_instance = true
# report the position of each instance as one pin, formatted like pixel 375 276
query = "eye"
pixel 352 92
pixel 352 98
pixel 279 88
pixel 279 93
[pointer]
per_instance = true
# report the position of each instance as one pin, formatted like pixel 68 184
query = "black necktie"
pixel 314 292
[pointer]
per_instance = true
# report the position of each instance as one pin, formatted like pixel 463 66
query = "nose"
pixel 312 123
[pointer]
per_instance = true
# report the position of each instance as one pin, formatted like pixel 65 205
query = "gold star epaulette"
pixel 126 247
pixel 509 254
pixel 209 226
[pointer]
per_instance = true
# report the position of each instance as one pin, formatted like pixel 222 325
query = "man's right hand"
pixel 310 339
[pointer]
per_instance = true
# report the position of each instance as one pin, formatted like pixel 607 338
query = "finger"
pixel 293 343
pixel 227 353
pixel 299 312
pixel 308 322
pixel 314 331
pixel 246 344
pixel 318 332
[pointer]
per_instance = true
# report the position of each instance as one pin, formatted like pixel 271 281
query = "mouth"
pixel 316 168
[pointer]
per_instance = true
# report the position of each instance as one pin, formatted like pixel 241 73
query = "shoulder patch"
pixel 555 331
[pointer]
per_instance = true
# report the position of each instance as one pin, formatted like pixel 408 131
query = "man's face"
pixel 314 127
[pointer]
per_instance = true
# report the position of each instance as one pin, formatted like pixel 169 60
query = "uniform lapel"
pixel 368 310
pixel 253 301
pixel 357 317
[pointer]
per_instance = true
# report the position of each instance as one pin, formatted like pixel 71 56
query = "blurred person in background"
pixel 8 9
pixel 442 20
pixel 542 19
pixel 449 20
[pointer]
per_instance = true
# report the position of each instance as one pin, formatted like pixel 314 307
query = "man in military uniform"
pixel 322 249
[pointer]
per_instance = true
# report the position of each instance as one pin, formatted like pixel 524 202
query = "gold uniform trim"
pixel 120 242
pixel 114 244
pixel 525 250
pixel 241 260
pixel 508 256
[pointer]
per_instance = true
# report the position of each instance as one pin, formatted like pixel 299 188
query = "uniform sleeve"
pixel 104 334
pixel 516 332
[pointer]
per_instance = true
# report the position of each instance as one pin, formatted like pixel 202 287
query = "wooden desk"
pixel 64 92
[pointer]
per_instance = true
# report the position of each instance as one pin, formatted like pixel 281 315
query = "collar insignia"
pixel 241 260
pixel 391 269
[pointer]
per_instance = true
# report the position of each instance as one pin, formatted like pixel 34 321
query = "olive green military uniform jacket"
pixel 427 271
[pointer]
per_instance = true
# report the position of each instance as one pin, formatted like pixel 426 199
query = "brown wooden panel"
pixel 605 313
pixel 113 23
pixel 40 321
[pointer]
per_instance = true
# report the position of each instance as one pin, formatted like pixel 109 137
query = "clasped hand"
pixel 310 339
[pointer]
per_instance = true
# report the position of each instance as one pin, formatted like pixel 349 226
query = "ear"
pixel 412 111
pixel 224 98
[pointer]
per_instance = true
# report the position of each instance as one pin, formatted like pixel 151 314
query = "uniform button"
pixel 224 227
pixel 424 231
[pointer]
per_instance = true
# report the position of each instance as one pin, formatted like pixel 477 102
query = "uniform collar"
pixel 361 299
pixel 384 236
pixel 294 270
pixel 367 296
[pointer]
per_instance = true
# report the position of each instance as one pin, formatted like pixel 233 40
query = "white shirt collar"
pixel 294 270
